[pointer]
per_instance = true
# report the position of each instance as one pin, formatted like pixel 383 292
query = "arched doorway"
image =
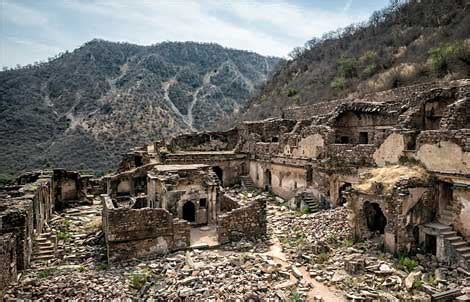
pixel 267 180
pixel 375 218
pixel 220 174
pixel 189 211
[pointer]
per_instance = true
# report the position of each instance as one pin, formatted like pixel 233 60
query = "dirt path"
pixel 327 293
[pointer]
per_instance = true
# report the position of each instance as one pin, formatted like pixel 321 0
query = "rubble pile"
pixel 321 243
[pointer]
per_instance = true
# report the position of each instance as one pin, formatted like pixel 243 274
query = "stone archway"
pixel 189 211
pixel 375 218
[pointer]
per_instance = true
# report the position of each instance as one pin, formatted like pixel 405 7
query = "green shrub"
pixel 6 179
pixel 417 284
pixel 347 67
pixel 339 83
pixel 440 57
pixel 291 92
pixel 408 263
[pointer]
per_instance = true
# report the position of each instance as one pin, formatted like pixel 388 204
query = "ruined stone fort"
pixel 399 160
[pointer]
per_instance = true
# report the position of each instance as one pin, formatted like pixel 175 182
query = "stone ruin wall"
pixel 24 210
pixel 8 256
pixel 245 222
pixel 445 151
pixel 145 232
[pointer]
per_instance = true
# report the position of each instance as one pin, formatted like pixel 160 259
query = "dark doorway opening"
pixel 344 140
pixel 343 189
pixel 220 174
pixel 138 161
pixel 375 218
pixel 189 211
pixel 274 139
pixel 430 244
pixel 203 203
pixel 267 180
pixel 363 138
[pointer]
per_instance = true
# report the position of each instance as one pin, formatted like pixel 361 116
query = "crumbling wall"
pixel 461 196
pixel 351 155
pixel 136 233
pixel 205 141
pixel 390 150
pixel 457 115
pixel 245 222
pixel 445 151
pixel 16 216
pixel 7 259
pixel 228 203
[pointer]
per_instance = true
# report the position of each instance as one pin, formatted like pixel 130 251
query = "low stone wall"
pixel 245 222
pixel 137 233
pixel 7 259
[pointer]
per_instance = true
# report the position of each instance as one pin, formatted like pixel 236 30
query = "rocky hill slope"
pixel 82 109
pixel 406 43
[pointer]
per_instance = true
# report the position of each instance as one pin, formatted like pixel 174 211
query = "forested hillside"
pixel 406 43
pixel 83 109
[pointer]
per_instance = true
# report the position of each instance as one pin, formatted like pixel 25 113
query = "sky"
pixel 33 30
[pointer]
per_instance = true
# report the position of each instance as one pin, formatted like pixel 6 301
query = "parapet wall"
pixel 245 222
pixel 145 232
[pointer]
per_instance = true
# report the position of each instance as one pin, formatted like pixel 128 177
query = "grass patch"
pixel 322 258
pixel 102 267
pixel 295 296
pixel 64 235
pixel 139 278
pixel 46 273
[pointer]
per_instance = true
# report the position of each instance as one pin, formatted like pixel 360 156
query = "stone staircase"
pixel 311 202
pixel 457 247
pixel 215 179
pixel 247 183
pixel 44 250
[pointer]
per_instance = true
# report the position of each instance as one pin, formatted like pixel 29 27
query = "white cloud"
pixel 264 27
pixel 21 15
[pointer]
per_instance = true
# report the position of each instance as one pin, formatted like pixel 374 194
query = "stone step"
pixel 447 234
pixel 43 257
pixel 45 252
pixel 454 238
pixel 466 256
pixel 463 250
pixel 438 226
pixel 459 244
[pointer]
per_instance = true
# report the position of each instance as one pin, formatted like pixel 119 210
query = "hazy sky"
pixel 34 30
